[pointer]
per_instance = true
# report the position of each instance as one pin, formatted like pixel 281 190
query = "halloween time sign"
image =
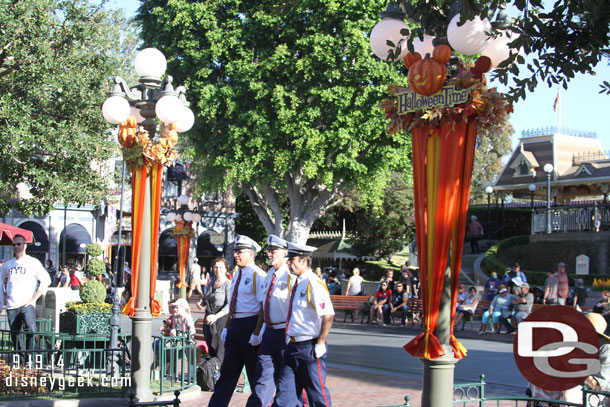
pixel 448 96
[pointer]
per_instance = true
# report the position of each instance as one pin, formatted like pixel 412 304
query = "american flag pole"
pixel 557 108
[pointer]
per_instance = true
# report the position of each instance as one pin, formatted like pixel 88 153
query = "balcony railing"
pixel 577 218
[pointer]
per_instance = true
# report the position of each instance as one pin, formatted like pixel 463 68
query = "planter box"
pixel 72 323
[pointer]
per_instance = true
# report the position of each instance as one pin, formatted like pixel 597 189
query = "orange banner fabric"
pixel 138 192
pixel 438 164
pixel 156 181
pixel 184 242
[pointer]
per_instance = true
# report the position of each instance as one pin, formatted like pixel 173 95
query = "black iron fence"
pixel 582 218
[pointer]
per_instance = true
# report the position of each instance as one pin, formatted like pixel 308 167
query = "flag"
pixel 557 101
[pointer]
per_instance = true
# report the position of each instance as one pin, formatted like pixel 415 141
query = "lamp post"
pixel 183 232
pixel 548 168
pixel 489 190
pixel 150 99
pixel 388 42
pixel 532 188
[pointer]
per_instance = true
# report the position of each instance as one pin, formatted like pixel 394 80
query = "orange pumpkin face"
pixel 427 76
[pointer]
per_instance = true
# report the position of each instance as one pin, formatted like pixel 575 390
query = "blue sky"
pixel 582 107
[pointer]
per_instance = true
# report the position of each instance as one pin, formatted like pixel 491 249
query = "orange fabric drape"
pixel 438 176
pixel 466 162
pixel 156 181
pixel 184 242
pixel 138 188
pixel 138 192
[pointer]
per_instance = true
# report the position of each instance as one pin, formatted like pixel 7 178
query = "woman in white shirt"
pixel 354 284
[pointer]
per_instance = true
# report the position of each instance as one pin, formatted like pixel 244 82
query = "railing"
pixel 473 394
pixel 42 324
pixel 582 218
pixel 175 362
pixel 62 365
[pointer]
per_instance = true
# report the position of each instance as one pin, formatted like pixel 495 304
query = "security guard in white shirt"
pixel 273 297
pixel 243 313
pixel 310 317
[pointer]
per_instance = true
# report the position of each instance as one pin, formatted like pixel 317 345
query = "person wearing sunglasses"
pixel 26 280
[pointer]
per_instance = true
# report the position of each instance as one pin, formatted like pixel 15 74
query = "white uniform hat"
pixel 300 249
pixel 275 242
pixel 244 242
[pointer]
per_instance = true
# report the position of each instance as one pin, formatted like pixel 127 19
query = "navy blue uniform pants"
pixel 270 357
pixel 301 370
pixel 238 352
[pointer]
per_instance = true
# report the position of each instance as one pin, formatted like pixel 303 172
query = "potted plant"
pixel 91 314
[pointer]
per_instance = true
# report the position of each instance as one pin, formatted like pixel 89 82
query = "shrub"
pixel 96 267
pixel 88 308
pixel 92 291
pixel 94 250
pixel 20 381
pixel 492 262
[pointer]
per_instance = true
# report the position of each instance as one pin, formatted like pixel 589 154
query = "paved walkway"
pixel 350 388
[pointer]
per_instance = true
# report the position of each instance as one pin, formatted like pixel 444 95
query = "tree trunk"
pixel 308 201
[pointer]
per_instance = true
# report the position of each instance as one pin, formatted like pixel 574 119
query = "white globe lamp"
pixel 471 37
pixel 116 109
pixel 150 62
pixel 388 29
pixel 497 49
pixel 548 168
pixel 178 217
pixel 135 112
pixel 168 109
pixel 186 120
pixel 489 189
pixel 424 46
pixel 171 216
pixel 196 217
pixel 183 199
pixel 188 216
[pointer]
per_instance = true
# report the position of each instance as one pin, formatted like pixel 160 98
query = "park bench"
pixel 351 304
pixel 478 314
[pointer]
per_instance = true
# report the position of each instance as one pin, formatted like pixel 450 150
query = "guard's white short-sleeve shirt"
pixel 310 303
pixel 280 295
pixel 24 277
pixel 247 294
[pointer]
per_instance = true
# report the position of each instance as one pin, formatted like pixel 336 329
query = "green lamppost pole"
pixel 152 98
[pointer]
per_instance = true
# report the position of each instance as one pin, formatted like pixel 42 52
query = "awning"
pixel 77 239
pixel 205 248
pixel 40 237
pixel 168 246
pixel 8 231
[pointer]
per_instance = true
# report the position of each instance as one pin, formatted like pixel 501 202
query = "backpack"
pixel 208 373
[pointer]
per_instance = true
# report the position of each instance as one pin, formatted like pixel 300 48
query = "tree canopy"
pixel 56 58
pixel 565 38
pixel 287 99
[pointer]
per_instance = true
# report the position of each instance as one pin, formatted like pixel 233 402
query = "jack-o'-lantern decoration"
pixel 168 131
pixel 127 132
pixel 427 76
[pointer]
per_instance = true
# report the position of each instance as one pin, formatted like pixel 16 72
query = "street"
pixel 383 352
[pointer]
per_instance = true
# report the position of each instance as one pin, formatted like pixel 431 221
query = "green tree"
pixel 570 37
pixel 388 229
pixel 56 58
pixel 492 145
pixel 287 96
